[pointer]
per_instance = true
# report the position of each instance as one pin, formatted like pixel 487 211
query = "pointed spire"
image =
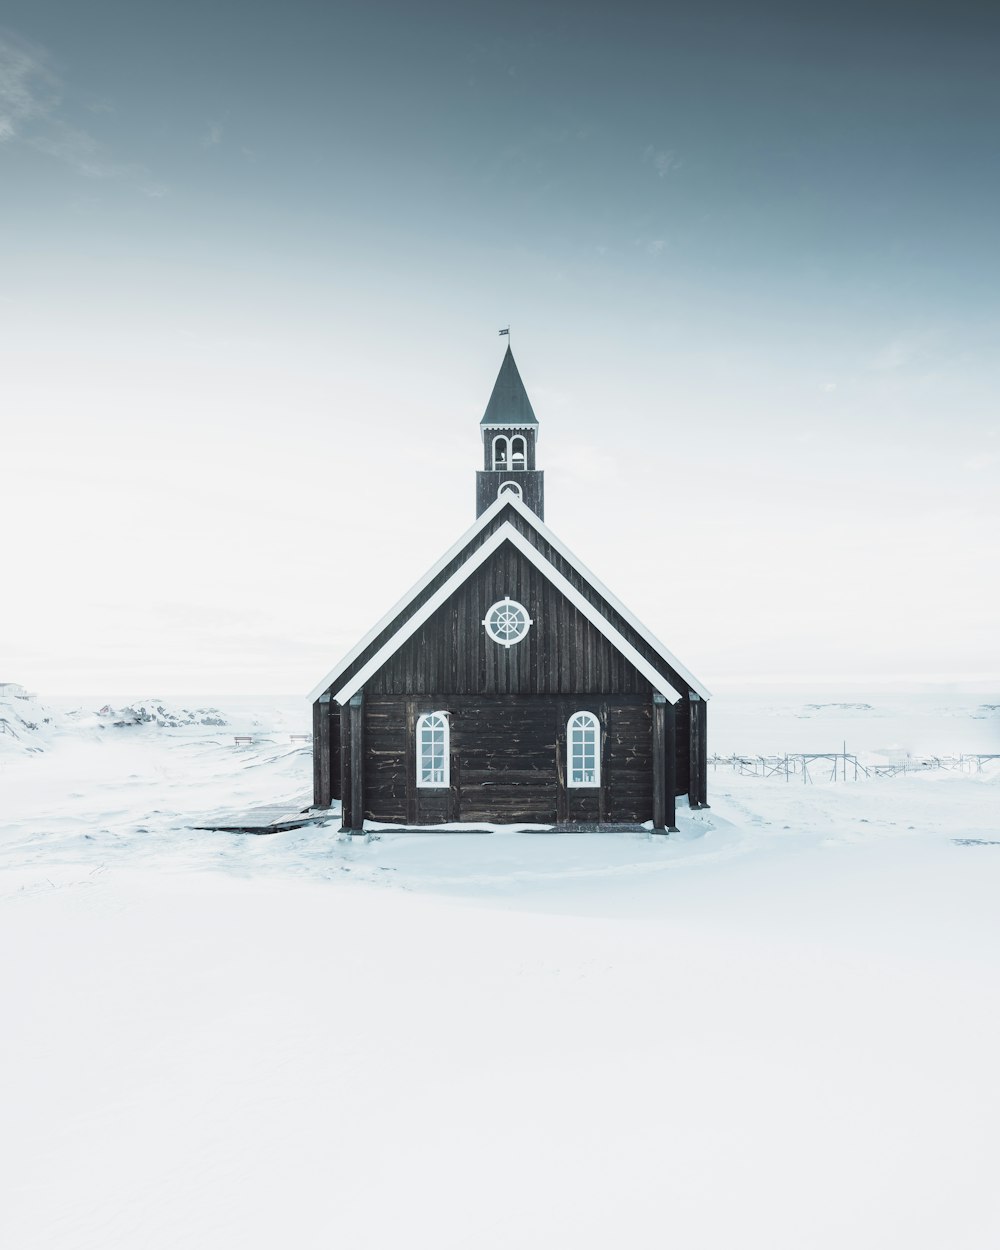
pixel 509 404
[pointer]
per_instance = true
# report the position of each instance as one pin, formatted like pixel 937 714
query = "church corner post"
pixel 698 788
pixel 353 766
pixel 664 766
pixel 321 752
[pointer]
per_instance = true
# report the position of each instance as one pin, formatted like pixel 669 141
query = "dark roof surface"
pixel 509 404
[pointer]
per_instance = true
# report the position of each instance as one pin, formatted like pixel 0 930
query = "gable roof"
pixel 509 404
pixel 659 666
pixel 505 533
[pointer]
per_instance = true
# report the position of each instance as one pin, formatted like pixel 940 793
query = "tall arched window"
pixel 518 452
pixel 583 747
pixel 432 749
pixel 501 452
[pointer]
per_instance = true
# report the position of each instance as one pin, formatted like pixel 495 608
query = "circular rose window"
pixel 507 622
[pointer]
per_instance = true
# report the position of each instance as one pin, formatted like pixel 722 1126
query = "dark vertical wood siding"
pixel 335 749
pixel 343 712
pixel 451 653
pixel 326 752
pixel 532 486
pixel 698 753
pixel 682 729
pixel 321 757
pixel 577 580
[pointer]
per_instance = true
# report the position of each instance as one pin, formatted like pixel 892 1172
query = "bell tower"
pixel 510 431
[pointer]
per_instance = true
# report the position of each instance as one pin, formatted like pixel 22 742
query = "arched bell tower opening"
pixel 510 432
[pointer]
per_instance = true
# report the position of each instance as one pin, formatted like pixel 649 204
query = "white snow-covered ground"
pixel 778 1028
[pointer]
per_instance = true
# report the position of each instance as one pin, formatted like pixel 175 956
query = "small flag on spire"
pixel 507 331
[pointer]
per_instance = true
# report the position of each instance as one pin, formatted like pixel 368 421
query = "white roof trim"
pixel 508 499
pixel 506 533
pixel 615 602
pixel 411 594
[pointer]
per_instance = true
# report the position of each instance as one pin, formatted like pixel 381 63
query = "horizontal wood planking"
pixel 507 758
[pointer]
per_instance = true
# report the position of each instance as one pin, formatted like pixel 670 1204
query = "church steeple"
pixel 510 431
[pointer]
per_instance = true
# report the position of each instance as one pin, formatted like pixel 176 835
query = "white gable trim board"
pixel 507 499
pixel 506 533
pixel 615 602
pixel 408 598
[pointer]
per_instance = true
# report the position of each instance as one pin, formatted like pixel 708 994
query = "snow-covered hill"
pixel 28 725
pixel 25 724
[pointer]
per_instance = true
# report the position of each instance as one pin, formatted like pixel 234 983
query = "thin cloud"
pixel 28 88
pixel 920 349
pixel 88 156
pixel 893 356
pixel 31 108
pixel 212 136
pixel 663 160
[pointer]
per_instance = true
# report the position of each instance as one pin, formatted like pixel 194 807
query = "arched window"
pixel 583 748
pixel 510 488
pixel 501 452
pixel 518 452
pixel 432 749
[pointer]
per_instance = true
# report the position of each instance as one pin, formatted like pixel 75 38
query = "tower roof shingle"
pixel 509 404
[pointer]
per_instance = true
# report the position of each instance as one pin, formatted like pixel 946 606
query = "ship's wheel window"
pixel 510 488
pixel 583 740
pixel 507 622
pixel 432 749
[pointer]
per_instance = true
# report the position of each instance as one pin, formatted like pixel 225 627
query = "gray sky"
pixel 253 258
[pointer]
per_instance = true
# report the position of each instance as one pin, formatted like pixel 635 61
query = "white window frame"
pixel 426 724
pixel 589 724
pixel 523 453
pixel 507 642
pixel 510 488
pixel 501 464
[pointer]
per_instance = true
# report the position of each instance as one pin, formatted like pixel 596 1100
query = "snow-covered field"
pixel 778 1028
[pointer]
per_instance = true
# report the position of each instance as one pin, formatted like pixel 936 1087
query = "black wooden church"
pixel 509 685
